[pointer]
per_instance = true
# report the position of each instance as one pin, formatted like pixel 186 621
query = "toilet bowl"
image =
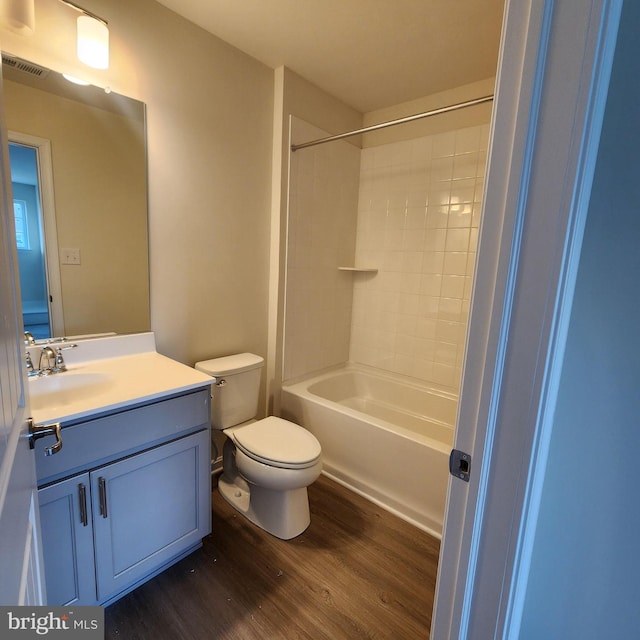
pixel 265 477
pixel 267 464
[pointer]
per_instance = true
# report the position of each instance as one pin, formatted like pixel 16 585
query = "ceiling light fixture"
pixel 93 38
pixel 18 15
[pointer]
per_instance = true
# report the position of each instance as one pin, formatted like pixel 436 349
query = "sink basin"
pixel 66 388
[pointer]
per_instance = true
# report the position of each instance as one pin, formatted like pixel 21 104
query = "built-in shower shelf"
pixel 359 269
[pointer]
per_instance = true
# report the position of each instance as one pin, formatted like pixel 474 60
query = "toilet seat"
pixel 278 443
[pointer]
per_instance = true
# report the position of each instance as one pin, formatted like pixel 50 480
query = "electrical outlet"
pixel 69 256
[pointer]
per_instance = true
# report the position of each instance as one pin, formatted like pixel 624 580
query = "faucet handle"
pixel 60 364
pixel 72 345
pixel 29 340
pixel 31 372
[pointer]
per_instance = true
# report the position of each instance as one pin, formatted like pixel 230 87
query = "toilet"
pixel 267 464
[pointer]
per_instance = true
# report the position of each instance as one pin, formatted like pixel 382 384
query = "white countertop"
pixel 128 369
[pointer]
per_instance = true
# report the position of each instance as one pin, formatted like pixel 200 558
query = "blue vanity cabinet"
pixel 128 495
pixel 67 529
pixel 148 509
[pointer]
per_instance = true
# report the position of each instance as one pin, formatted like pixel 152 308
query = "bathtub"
pixel 386 437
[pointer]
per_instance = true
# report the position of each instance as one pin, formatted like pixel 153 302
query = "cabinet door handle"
pixel 102 492
pixel 82 498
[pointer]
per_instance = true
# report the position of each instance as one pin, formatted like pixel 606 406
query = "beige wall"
pixel 210 118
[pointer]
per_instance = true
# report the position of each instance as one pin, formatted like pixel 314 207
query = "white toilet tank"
pixel 234 396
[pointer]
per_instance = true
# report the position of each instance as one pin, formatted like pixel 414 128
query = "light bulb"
pixel 93 42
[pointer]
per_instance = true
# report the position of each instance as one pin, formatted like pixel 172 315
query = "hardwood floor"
pixel 356 572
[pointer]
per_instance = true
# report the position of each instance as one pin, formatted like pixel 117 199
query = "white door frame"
pixel 50 229
pixel 555 63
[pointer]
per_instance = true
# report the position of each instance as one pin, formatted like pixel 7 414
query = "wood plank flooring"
pixel 356 572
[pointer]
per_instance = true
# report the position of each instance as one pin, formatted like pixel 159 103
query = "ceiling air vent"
pixel 25 66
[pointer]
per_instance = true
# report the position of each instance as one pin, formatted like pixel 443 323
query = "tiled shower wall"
pixel 418 216
pixel 416 205
pixel 321 236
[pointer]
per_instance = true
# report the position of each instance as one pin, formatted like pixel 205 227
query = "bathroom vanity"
pixel 129 492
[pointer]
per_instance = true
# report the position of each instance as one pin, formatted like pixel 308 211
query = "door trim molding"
pixel 591 103
pixel 552 85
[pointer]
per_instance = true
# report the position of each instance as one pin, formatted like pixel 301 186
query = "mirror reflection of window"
pixel 22 231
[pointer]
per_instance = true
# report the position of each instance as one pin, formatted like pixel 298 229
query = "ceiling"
pixel 370 54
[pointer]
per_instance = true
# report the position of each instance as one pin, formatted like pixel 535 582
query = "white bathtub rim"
pixel 346 367
pixel 432 527
pixel 301 389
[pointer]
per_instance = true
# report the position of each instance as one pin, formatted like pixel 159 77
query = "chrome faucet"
pixel 52 360
pixel 48 356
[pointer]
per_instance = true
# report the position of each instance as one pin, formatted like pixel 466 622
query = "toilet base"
pixel 283 514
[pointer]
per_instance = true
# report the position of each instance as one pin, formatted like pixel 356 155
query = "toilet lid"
pixel 278 442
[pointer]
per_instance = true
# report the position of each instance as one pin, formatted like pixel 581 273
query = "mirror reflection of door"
pixel 30 241
pixel 41 298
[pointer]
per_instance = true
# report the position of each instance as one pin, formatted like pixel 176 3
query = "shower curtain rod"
pixel 391 123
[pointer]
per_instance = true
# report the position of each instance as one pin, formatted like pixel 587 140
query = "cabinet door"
pixel 67 542
pixel 148 509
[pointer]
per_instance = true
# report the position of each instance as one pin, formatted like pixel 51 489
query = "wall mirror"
pixel 79 176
